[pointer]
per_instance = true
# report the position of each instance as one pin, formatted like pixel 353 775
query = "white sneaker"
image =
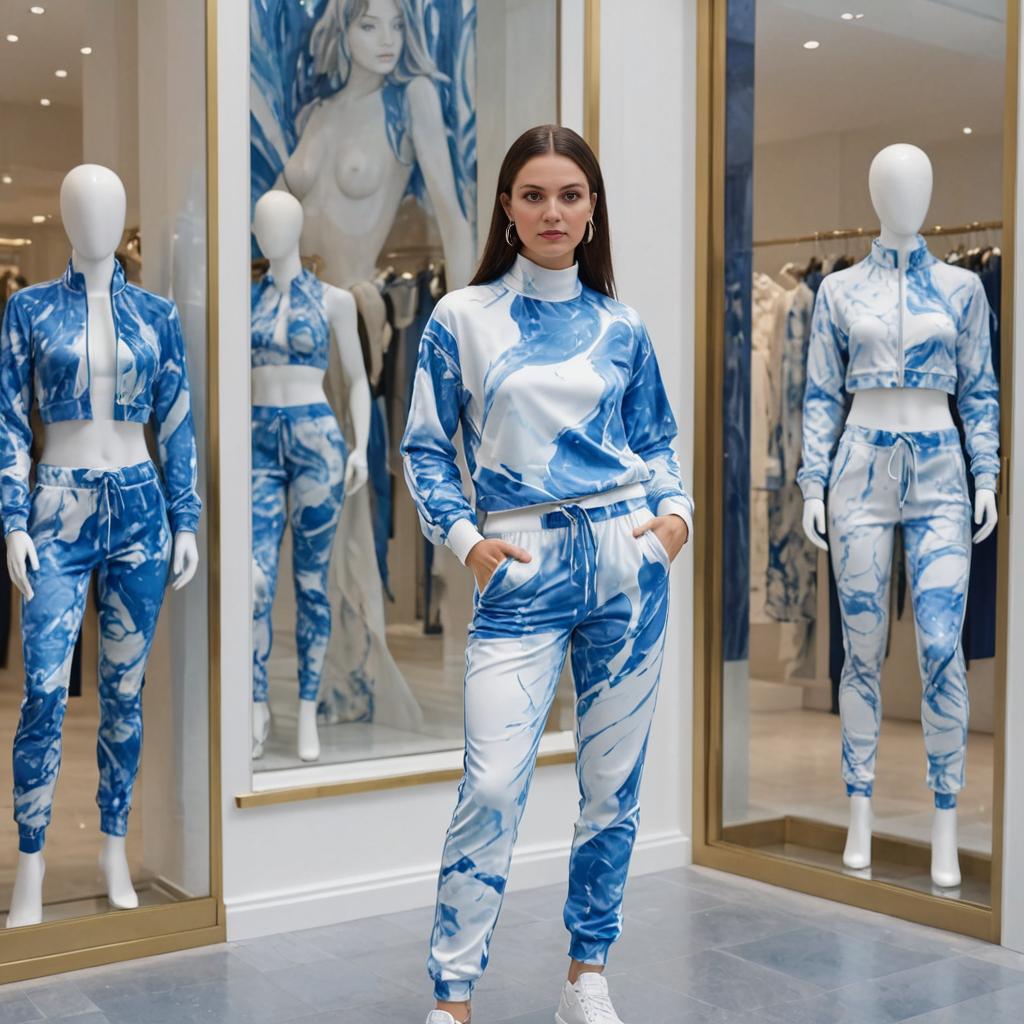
pixel 586 1002
pixel 440 1017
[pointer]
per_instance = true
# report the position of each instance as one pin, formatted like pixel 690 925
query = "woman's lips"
pixel 552 235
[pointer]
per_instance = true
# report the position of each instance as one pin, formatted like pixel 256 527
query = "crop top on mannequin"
pixel 558 392
pixel 881 325
pixel 306 340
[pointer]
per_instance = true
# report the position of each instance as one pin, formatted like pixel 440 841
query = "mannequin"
pixel 278 386
pixel 900 183
pixel 108 437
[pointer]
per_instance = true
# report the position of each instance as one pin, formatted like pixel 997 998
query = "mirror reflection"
pixel 862 436
pixel 103 668
pixel 372 123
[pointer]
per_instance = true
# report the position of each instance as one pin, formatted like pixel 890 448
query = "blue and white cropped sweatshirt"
pixel 559 396
pixel 879 324
pixel 44 357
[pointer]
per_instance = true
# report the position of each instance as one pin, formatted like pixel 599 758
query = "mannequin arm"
pixel 814 522
pixel 341 312
pixel 186 559
pixel 985 514
pixel 21 553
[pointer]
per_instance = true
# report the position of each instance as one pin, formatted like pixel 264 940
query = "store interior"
pixel 929 74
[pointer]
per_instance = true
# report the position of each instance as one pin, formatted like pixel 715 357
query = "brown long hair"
pixel 594 257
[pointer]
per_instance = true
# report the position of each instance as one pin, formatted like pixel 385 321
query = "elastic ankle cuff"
pixel 31 841
pixel 588 951
pixel 114 824
pixel 945 801
pixel 453 991
pixel 859 789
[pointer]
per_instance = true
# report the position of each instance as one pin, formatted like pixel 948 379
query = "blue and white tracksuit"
pixel 882 325
pixel 298 476
pixel 568 437
pixel 119 522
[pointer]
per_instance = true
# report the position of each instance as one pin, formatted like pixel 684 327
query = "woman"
pixel 358 148
pixel 568 436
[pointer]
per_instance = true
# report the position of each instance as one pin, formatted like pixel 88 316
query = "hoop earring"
pixel 590 232
pixel 509 240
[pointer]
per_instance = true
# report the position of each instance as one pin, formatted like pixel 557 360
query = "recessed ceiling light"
pixel 44 102
pixel 61 73
pixel 7 179
pixel 37 9
pixel 847 16
pixel 968 131
pixel 39 218
pixel 11 37
pixel 86 50
pixel 811 44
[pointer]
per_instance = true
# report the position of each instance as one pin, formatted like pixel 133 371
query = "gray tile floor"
pixel 699 947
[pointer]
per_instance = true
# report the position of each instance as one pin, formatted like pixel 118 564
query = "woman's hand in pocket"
pixel 671 531
pixel 487 555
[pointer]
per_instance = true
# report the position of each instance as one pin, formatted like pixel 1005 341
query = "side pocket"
pixel 659 548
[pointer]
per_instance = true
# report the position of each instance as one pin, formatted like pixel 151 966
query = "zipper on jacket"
pixel 899 351
pixel 117 372
pixel 88 361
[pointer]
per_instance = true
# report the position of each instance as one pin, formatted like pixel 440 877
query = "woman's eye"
pixel 367 26
pixel 532 197
pixel 571 197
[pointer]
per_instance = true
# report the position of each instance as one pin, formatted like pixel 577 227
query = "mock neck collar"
pixel 535 282
pixel 75 280
pixel 918 256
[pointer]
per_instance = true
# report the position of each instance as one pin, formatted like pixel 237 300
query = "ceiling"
pixel 926 66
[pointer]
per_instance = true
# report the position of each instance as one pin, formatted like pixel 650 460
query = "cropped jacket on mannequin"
pixel 308 337
pixel 881 325
pixel 559 395
pixel 44 357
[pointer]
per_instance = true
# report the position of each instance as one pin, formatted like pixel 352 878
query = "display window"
pixel 105 601
pixel 860 321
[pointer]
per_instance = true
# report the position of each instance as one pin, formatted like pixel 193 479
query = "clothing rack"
pixel 842 233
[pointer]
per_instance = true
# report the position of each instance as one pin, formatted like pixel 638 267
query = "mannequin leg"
pixel 937 534
pixel 316 456
pixel 862 509
pixel 27 897
pixel 269 484
pixel 131 586
pixel 616 659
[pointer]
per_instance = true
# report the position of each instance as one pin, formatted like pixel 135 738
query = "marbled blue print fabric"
pixel 592 586
pixel 916 481
pixel 881 325
pixel 44 358
pixel 114 522
pixel 307 336
pixel 558 393
pixel 298 477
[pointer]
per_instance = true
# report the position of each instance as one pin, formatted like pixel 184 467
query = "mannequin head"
pixel 92 207
pixel 277 224
pixel 900 181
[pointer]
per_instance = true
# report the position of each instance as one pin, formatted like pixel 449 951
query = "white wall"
pixel 302 864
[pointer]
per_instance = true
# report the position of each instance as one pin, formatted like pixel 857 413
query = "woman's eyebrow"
pixel 561 188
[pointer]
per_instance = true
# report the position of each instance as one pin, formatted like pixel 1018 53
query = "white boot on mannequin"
pixel 92 206
pixel 900 182
pixel 277 225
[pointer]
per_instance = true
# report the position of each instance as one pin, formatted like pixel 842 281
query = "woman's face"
pixel 550 203
pixel 375 38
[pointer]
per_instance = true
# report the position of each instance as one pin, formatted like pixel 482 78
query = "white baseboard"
pixel 289 910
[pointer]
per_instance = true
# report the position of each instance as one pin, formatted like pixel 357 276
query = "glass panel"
pixel 387 120
pixel 120 85
pixel 814 92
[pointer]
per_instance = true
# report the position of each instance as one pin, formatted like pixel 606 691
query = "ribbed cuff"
pixel 945 801
pixel 31 840
pixel 462 538
pixel 984 481
pixel 676 507
pixel 812 489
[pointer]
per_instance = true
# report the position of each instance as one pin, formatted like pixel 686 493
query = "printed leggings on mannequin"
pixel 593 585
pixel 916 481
pixel 298 476
pixel 113 521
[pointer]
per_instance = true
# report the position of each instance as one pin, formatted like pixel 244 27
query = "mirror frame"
pixel 709 847
pixel 55 947
pixel 347 778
